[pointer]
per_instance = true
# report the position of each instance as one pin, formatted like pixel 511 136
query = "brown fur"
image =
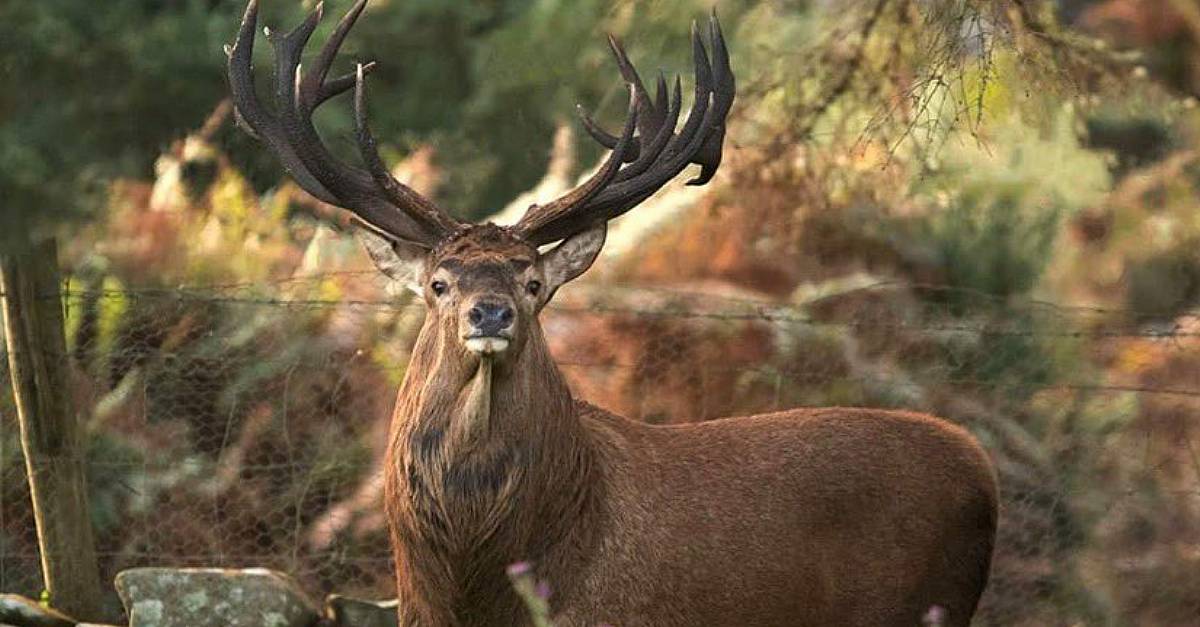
pixel 806 517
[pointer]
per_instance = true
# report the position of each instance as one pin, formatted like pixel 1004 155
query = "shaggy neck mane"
pixel 482 474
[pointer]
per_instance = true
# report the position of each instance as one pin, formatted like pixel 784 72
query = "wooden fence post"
pixel 51 434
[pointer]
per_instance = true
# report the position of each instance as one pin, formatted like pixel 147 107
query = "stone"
pixel 19 611
pixel 347 612
pixel 214 597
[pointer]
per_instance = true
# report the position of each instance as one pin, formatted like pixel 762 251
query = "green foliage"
pixel 94 90
pixel 1164 284
pixel 1136 140
pixel 987 241
pixel 995 209
pixel 109 461
pixel 1010 351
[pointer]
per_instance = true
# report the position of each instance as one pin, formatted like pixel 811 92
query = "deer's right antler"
pixel 372 193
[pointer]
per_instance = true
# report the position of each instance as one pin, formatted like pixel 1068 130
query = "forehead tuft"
pixel 484 243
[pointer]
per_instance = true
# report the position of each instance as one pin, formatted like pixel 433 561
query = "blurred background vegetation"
pixel 984 209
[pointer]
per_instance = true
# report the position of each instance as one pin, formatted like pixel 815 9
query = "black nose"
pixel 490 319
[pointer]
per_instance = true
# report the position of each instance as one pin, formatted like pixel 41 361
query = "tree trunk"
pixel 51 434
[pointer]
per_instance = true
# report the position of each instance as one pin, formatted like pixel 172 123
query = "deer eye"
pixel 534 287
pixel 438 287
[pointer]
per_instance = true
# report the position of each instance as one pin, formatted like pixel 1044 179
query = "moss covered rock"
pixel 213 597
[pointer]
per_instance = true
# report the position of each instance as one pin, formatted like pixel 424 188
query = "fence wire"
pixel 234 426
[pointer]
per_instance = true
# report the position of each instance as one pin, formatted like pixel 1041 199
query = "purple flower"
pixel 520 569
pixel 935 617
pixel 542 590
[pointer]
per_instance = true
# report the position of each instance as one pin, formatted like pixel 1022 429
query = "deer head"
pixel 484 284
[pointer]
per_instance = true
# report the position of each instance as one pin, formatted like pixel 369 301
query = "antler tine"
pixel 351 185
pixel 378 200
pixel 649 119
pixel 667 153
pixel 398 193
pixel 288 49
pixel 726 84
pixel 703 71
pixel 342 83
pixel 314 89
pixel 658 110
pixel 695 115
pixel 660 92
pixel 603 137
pixel 539 215
pixel 651 113
pixel 259 122
pixel 681 149
pixel 622 200
pixel 314 82
pixel 724 89
pixel 622 197
pixel 665 132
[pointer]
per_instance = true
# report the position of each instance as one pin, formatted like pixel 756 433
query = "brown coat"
pixel 806 517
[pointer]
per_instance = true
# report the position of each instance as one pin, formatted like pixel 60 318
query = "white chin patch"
pixel 486 345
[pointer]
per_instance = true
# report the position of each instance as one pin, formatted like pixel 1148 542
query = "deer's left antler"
pixel 656 155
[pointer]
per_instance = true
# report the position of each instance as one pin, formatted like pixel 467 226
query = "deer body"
pixel 804 517
pixel 808 517
pixel 789 519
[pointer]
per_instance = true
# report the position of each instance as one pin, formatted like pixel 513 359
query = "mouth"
pixel 486 344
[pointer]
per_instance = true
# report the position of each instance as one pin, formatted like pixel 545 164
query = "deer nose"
pixel 490 319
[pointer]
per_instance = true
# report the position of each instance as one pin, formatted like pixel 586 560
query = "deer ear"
pixel 399 259
pixel 572 257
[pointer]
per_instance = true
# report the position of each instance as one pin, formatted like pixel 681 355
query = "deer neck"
pixel 488 465
pixel 466 404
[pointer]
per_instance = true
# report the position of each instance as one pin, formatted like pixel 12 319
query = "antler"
pixel 656 155
pixel 372 194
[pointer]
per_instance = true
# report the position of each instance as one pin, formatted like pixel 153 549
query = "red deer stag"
pixel 804 517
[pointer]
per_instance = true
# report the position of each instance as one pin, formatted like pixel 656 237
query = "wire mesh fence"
pixel 240 426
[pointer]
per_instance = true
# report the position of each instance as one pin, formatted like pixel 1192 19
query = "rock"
pixel 19 611
pixel 346 612
pixel 213 597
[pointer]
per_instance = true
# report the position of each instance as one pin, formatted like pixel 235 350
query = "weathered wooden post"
pixel 51 435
